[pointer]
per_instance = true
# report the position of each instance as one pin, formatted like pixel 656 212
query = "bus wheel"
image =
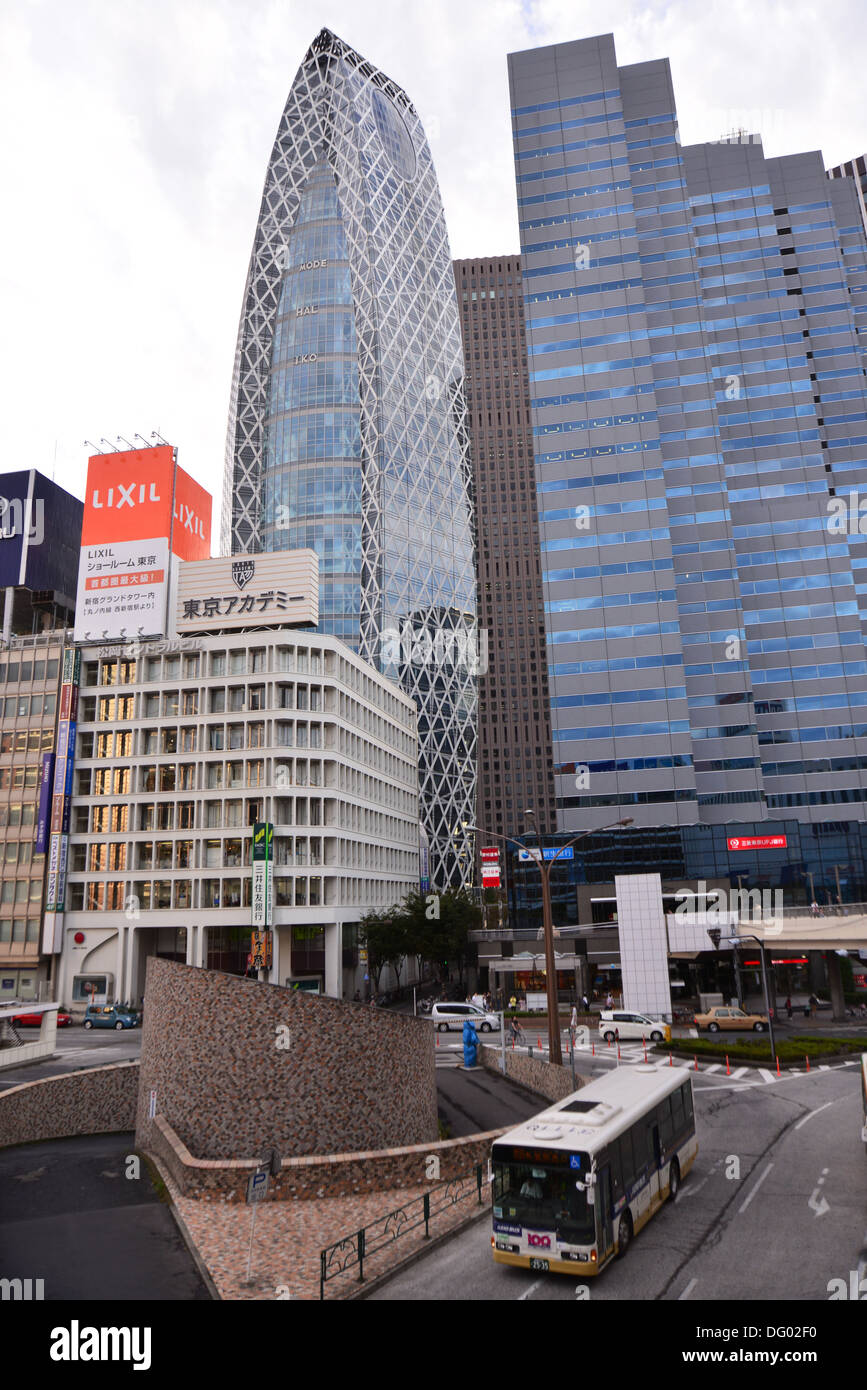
pixel 624 1235
pixel 674 1178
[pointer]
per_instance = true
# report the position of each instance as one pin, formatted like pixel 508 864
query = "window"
pixel 218 663
pixel 170 703
pixel 186 815
pixel 151 707
pixel 216 738
pixel 169 741
pixel 237 664
pixel 236 697
pixel 256 697
pixel 236 736
pixel 217 700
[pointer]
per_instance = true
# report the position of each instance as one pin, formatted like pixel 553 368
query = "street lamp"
pixel 545 865
pixel 748 936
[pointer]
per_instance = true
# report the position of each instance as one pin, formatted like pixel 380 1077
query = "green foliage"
pixel 408 929
pixel 789 1049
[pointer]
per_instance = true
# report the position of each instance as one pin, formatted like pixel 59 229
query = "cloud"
pixel 137 135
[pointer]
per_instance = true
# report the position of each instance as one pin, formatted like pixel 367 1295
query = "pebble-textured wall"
pixel 552 1082
pixel 337 1175
pixel 239 1066
pixel 101 1100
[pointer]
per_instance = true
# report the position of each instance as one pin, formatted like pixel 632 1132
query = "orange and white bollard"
pixel 645 1049
pixel 695 1059
pixel 618 1050
pixel 539 1041
pixel 670 1060
pixel 807 1061
pixel 593 1049
pixel 728 1068
pixel 779 1073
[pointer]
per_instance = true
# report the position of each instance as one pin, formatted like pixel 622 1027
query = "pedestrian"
pixel 789 1005
pixel 609 1000
pixel 814 909
pixel 513 1003
pixel 814 1004
pixel 573 1021
pixel 585 1003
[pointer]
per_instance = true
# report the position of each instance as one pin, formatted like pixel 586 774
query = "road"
pixel 774 1208
pixel 77 1048
pixel 72 1216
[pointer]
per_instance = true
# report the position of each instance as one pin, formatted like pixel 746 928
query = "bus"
pixel 571 1187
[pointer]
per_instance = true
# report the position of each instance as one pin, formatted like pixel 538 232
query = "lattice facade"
pixel 347 419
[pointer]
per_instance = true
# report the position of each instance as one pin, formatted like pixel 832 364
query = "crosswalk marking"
pixel 714 1066
pixel 741 1071
pixel 766 1075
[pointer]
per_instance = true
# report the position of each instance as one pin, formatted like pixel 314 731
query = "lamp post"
pixel 748 936
pixel 545 865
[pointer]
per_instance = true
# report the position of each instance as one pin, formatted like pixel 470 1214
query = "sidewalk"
pixel 289 1236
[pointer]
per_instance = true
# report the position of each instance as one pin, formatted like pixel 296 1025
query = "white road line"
pixel 741 1071
pixel 766 1076
pixel 812 1113
pixel 687 1291
pixel 823 1066
pixel 527 1292
pixel 752 1194
pixel 714 1066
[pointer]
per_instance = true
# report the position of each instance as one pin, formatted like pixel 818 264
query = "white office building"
pixel 184 745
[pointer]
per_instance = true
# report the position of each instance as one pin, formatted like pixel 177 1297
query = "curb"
pixel 371 1285
pixel 824 1058
pixel 185 1234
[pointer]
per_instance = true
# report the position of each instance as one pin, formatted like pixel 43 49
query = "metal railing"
pixel 353 1250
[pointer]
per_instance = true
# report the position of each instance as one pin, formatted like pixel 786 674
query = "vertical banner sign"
pixel 423 860
pixel 263 884
pixel 45 787
pixel 61 801
pixel 490 868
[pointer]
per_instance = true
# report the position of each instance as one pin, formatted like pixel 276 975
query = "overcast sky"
pixel 135 135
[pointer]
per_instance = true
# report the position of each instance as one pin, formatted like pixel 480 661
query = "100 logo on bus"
pixel 544 1241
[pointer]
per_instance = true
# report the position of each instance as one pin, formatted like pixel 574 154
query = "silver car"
pixel 446 1016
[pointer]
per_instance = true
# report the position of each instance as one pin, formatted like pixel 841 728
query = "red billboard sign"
pixel 758 842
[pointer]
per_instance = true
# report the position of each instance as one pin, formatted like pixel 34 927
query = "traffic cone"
pixel 808 1062
pixel 728 1068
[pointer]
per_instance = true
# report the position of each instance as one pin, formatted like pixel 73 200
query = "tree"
pixel 385 935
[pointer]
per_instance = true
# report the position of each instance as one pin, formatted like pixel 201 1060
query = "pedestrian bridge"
pixel 837 927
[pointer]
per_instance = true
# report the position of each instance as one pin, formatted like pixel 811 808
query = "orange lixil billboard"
pixel 140 494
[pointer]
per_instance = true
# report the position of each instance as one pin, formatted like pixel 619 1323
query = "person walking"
pixel 814 1004
pixel 585 1003
pixel 609 1000
pixel 789 1006
pixel 516 1032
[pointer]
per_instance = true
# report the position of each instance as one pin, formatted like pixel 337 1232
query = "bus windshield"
pixel 544 1198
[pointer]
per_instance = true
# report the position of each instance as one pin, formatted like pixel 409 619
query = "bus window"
pixel 666 1123
pixel 686 1092
pixel 677 1110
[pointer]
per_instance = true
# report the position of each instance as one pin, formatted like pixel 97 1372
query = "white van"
pixel 447 1016
pixel 615 1023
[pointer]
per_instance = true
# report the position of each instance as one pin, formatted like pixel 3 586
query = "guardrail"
pixel 353 1250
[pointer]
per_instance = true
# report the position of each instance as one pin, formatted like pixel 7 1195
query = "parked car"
pixel 110 1016
pixel 447 1016
pixel 718 1017
pixel 614 1023
pixel 35 1020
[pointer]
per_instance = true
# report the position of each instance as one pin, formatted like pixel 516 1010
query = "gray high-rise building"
pixel 514 726
pixel 699 418
pixel 854 169
pixel 347 427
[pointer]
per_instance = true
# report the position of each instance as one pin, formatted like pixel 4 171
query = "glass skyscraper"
pixel 347 429
pixel 695 320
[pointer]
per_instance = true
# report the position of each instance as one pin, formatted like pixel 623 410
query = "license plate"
pixel 539 1264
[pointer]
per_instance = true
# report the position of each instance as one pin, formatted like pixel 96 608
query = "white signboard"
pixel 122 588
pixel 277 589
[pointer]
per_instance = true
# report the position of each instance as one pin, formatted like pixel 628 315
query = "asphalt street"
pixel 72 1216
pixel 77 1048
pixel 774 1208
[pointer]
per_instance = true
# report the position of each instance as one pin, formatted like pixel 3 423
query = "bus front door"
pixel 603 1213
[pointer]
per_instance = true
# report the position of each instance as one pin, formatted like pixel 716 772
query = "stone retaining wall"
pixel 239 1066
pixel 332 1175
pixel 101 1100
pixel 545 1079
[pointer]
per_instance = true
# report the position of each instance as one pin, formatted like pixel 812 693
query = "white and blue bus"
pixel 572 1186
